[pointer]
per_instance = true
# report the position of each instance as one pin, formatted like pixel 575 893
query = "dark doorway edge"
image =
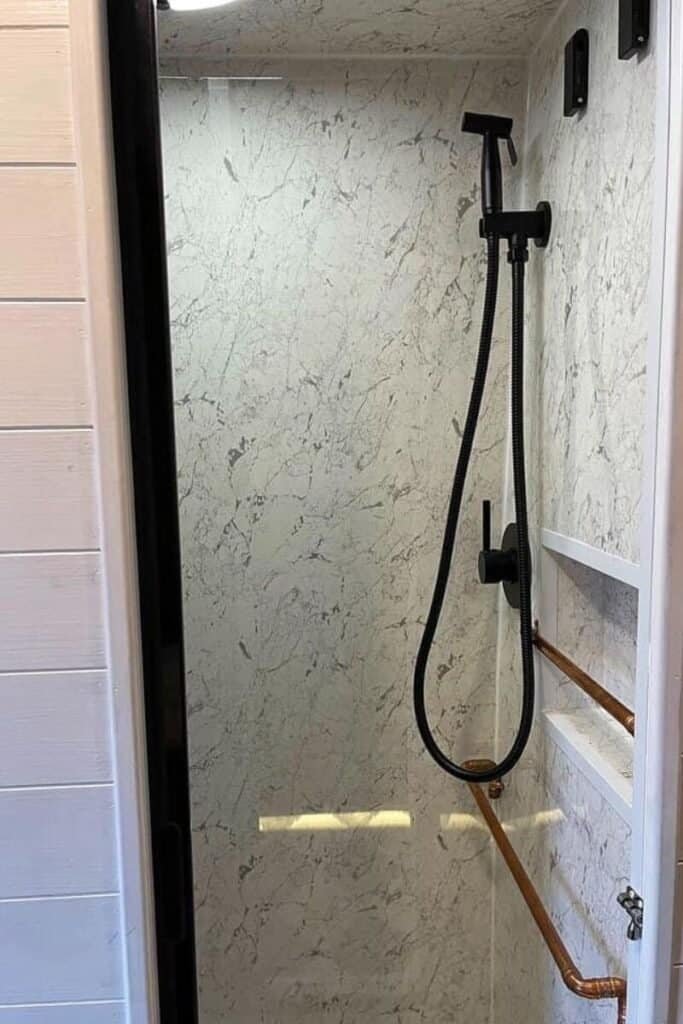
pixel 139 187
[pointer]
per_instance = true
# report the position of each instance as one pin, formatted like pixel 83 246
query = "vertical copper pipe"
pixel 586 988
pixel 590 686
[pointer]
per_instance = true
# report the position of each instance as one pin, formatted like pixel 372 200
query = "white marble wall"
pixel 575 848
pixel 326 281
pixel 369 27
pixel 597 626
pixel 587 327
pixel 592 286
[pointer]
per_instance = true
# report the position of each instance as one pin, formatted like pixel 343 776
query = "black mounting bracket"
pixel 634 27
pixel 519 224
pixel 576 73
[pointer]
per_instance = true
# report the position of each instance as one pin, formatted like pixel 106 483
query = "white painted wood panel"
pixel 51 612
pixel 62 366
pixel 36 124
pixel 585 554
pixel 48 500
pixel 54 728
pixel 66 1013
pixel 57 841
pixel 39 213
pixel 91 91
pixel 34 12
pixel 60 950
pixel 44 365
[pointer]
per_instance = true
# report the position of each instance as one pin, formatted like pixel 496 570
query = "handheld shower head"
pixel 487 124
pixel 492 128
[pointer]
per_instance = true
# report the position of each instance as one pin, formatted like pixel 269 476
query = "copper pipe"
pixel 591 686
pixel 586 988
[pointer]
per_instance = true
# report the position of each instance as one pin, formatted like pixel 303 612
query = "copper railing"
pixel 586 988
pixel 591 686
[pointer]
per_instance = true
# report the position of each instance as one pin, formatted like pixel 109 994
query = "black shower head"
pixel 487 124
pixel 492 128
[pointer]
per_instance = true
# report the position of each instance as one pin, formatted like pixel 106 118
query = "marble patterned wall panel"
pixel 370 27
pixel 575 847
pixel 592 286
pixel 597 625
pixel 326 283
pixel 587 326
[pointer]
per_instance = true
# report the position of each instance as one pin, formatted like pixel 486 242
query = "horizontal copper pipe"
pixel 586 988
pixel 591 686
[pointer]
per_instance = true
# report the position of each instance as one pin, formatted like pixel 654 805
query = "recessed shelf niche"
pixel 589 610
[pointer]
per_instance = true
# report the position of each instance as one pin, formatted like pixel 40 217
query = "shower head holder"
pixel 519 226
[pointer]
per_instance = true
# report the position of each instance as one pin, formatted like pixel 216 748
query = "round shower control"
pixel 509 545
pixel 497 565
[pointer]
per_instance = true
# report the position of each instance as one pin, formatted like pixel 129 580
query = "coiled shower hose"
pixel 518 258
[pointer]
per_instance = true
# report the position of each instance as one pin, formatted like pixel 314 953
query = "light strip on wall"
pixel 335 822
pixel 217 79
pixel 197 5
pixel 541 819
pixel 461 823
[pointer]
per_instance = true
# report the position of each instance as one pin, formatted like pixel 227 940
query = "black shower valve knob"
pixel 496 565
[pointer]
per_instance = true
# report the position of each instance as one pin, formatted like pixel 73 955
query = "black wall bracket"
pixel 634 27
pixel 526 224
pixel 576 54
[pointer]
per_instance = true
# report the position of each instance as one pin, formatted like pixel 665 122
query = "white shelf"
pixel 600 748
pixel 609 565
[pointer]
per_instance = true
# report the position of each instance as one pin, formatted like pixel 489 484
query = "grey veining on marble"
pixel 574 848
pixel 593 284
pixel 323 27
pixel 587 327
pixel 326 279
pixel 597 626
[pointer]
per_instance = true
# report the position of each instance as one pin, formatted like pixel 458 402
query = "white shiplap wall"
pixel 75 939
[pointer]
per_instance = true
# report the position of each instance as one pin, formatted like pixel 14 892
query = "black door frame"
pixel 139 186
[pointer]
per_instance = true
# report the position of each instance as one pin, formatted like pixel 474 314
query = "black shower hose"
pixel 455 504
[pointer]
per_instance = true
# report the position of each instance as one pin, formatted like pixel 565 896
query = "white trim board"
pixel 602 772
pixel 101 256
pixel 658 690
pixel 594 558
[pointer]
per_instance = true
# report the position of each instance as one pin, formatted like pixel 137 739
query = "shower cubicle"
pixel 326 277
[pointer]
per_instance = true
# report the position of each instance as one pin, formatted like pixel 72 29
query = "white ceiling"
pixel 319 27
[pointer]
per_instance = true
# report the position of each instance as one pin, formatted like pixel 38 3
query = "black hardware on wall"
pixel 576 58
pixel 137 154
pixel 634 27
